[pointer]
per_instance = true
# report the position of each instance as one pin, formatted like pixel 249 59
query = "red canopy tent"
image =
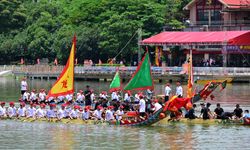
pixel 199 38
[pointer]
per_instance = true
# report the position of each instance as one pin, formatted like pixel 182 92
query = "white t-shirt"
pixel 119 114
pixel 73 113
pixel 24 85
pixel 157 106
pixel 42 96
pixel 127 97
pixel 51 113
pixel 98 114
pixel 80 97
pixel 85 115
pixel 179 91
pixel 142 105
pixel 109 115
pixel 167 91
pixel 114 96
pixel 26 95
pixel 31 112
pixel 33 96
pixel 11 111
pixel 40 113
pixel 61 113
pixel 2 111
pixel 69 97
pixel 21 112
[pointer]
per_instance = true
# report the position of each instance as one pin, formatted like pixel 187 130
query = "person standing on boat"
pixel 167 92
pixel 119 113
pixel 218 111
pixel 24 86
pixel 179 89
pixel 87 95
pixel 11 111
pixel 238 112
pixel 142 106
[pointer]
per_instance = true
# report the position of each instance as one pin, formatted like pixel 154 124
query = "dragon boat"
pixel 147 122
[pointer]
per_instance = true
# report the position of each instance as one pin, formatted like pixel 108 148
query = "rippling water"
pixel 21 135
pixel 24 135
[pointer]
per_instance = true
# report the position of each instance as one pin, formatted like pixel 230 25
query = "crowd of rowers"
pixel 88 106
pixel 84 105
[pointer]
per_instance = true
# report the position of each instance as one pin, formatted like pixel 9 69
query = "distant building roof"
pixel 231 4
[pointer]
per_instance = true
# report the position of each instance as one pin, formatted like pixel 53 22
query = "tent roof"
pixel 199 38
pixel 232 4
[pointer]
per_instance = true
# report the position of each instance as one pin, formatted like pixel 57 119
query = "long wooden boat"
pixel 133 123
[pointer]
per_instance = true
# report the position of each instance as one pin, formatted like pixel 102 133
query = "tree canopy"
pixel 43 29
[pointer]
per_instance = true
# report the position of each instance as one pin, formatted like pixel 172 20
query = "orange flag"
pixel 190 77
pixel 65 83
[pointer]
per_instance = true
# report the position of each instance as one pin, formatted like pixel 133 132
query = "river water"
pixel 24 135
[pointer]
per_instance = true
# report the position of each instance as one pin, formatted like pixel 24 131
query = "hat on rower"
pixel 11 103
pixel 2 103
pixel 22 104
pixel 121 107
pixel 76 107
pixel 80 91
pixel 42 105
pixel 111 107
pixel 52 105
pixel 155 100
pixel 99 107
pixel 64 105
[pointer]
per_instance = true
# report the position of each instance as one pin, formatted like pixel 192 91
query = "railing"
pixel 45 69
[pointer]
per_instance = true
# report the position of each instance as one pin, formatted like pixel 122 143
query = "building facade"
pixel 219 15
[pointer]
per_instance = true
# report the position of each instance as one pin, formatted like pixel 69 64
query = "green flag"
pixel 116 83
pixel 142 78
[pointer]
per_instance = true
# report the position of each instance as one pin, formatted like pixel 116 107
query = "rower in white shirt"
pixel 50 114
pixel 41 112
pixel 179 90
pixel 109 114
pixel 69 97
pixel 157 106
pixel 80 97
pixel 31 111
pixel 86 113
pixel 73 114
pixel 33 96
pixel 21 111
pixel 62 112
pixel 42 96
pixel 11 111
pixel 2 110
pixel 119 113
pixel 98 113
pixel 26 96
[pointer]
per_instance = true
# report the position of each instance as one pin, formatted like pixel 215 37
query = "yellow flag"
pixel 157 56
pixel 190 77
pixel 65 83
